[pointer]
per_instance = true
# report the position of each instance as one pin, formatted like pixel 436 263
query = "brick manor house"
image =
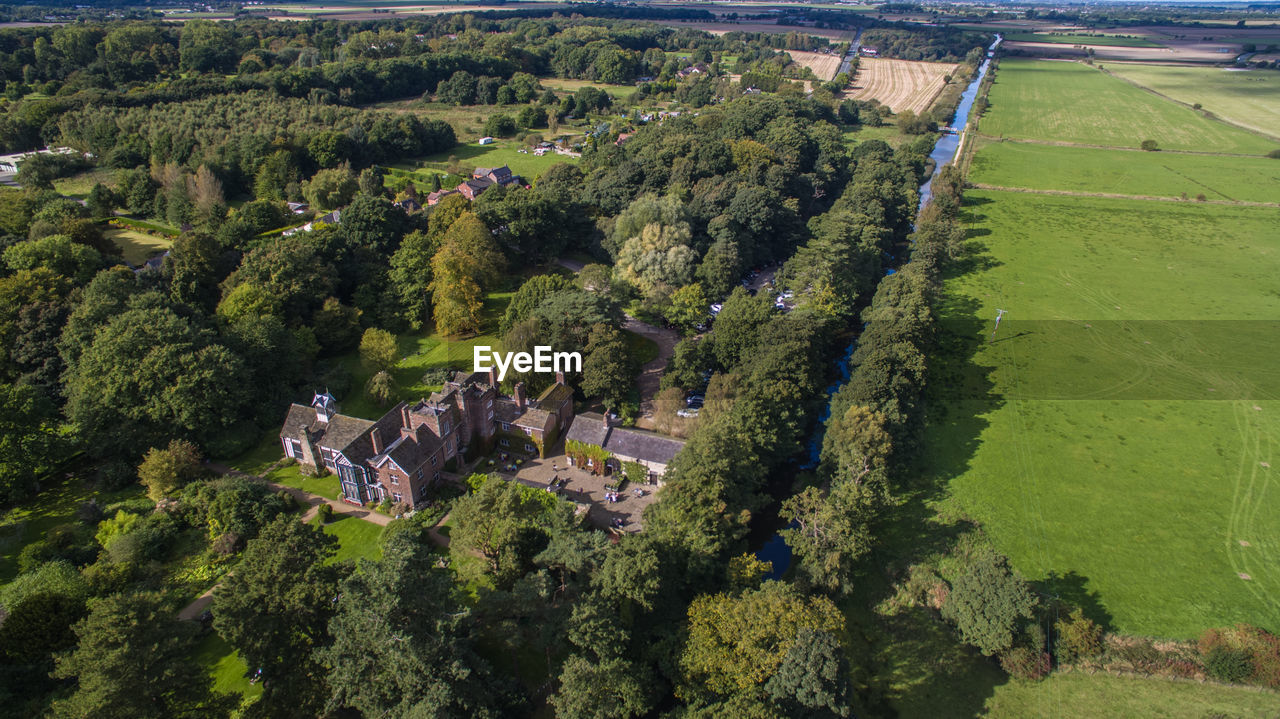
pixel 400 455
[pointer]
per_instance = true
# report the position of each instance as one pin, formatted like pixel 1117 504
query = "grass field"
pixel 1246 97
pixel 137 247
pixel 1081 39
pixel 501 152
pixel 1107 696
pixel 1121 431
pixel 900 84
pixel 79 185
pixel 618 92
pixel 1074 103
pixel 1126 172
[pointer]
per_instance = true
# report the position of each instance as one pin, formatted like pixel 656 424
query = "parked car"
pixel 715 309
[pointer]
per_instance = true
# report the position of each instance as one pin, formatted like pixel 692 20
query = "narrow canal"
pixel 775 550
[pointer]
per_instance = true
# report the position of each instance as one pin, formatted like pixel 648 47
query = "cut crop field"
pixel 1126 172
pixel 1081 39
pixel 900 84
pixel 1121 429
pixel 824 65
pixel 1072 102
pixel 1250 98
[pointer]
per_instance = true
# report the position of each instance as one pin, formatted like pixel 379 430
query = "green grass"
pixel 1246 97
pixel 421 353
pixel 501 152
pixel 56 504
pixel 137 247
pixel 1126 172
pixel 226 667
pixel 292 476
pixel 566 85
pixel 1075 103
pixel 357 539
pixel 643 349
pixel 1118 432
pixel 1101 695
pixel 147 225
pixel 80 184
pixel 1082 39
pixel 888 133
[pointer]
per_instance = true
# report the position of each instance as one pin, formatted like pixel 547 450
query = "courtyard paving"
pixel 584 488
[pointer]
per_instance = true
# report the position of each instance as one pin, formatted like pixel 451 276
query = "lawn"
pixel 1082 39
pixel 1246 97
pixel 1075 103
pixel 501 152
pixel 292 476
pixel 56 504
pixel 226 667
pixel 357 539
pixel 1127 172
pixel 1120 431
pixel 137 247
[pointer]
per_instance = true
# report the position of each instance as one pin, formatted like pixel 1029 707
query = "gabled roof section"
pixel 589 428
pixel 555 394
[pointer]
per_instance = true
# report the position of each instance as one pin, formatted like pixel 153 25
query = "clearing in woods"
pixel 824 65
pixel 1250 98
pixel 1071 102
pixel 900 84
pixel 1122 429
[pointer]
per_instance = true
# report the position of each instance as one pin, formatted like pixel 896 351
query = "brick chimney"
pixel 493 377
pixel 518 396
pixel 376 438
pixel 559 377
pixel 406 424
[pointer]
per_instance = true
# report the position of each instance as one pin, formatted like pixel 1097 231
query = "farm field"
pixel 1114 434
pixel 1250 98
pixel 1071 102
pixel 824 65
pixel 900 84
pixel 1126 172
pixel 1081 39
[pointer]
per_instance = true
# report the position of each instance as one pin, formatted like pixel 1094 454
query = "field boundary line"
pixel 1060 143
pixel 1118 196
pixel 1203 112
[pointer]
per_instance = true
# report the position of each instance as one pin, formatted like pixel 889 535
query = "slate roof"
pixel 505 410
pixel 639 444
pixel 590 428
pixel 339 433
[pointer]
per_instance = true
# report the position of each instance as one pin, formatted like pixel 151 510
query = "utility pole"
pixel 999 315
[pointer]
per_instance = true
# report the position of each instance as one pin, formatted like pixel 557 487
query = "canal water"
pixel 775 550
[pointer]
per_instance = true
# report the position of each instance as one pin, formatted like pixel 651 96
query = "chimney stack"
pixel 493 377
pixel 377 440
pixel 560 377
pixel 518 396
pixel 404 415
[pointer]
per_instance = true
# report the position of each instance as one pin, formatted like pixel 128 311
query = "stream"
pixel 775 549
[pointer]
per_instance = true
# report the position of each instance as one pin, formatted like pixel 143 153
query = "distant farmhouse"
pixel 482 178
pixel 400 455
